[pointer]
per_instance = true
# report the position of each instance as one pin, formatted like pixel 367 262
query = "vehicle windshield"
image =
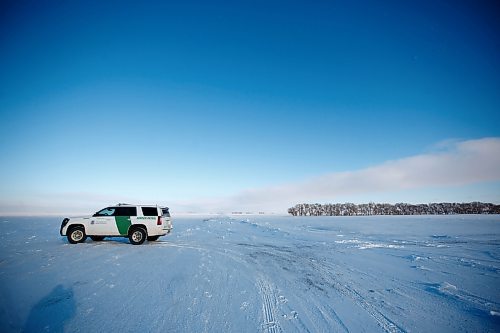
pixel 105 212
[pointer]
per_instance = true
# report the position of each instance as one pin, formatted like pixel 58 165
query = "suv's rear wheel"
pixel 137 236
pixel 153 238
pixel 76 235
pixel 97 238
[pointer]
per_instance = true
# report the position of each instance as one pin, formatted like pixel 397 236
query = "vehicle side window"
pixel 125 211
pixel 149 211
pixel 105 212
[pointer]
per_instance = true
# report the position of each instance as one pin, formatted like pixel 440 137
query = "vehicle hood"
pixel 80 217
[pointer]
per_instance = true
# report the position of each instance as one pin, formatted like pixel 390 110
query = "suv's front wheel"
pixel 76 235
pixel 137 236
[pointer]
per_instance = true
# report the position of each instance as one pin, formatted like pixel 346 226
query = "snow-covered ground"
pixel 257 274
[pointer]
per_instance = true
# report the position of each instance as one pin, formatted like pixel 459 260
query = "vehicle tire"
pixel 97 238
pixel 76 235
pixel 137 236
pixel 153 238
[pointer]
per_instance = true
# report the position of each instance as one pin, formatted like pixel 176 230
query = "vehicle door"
pixel 123 219
pixel 103 223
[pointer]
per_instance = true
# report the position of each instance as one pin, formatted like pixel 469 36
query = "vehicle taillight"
pixel 159 221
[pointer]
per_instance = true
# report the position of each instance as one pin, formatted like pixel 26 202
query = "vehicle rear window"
pixel 165 212
pixel 125 211
pixel 149 211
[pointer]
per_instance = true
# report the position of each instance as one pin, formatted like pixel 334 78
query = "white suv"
pixel 137 222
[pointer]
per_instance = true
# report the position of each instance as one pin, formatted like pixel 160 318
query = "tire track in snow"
pixel 269 310
pixel 331 316
pixel 288 256
pixel 385 323
pixel 325 273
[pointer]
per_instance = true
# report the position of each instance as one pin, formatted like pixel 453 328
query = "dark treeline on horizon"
pixel 350 209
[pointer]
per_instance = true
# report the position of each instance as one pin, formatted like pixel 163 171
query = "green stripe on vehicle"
pixel 123 223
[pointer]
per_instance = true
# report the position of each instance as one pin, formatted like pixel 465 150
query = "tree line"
pixel 350 209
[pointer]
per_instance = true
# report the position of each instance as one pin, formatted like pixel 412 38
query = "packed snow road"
pixel 257 274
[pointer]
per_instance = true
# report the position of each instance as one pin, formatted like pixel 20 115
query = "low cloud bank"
pixel 459 163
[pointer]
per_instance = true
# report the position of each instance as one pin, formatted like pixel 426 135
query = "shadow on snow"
pixel 52 312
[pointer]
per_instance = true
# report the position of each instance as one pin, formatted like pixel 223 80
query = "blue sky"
pixel 192 104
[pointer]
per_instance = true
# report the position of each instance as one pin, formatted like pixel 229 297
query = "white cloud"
pixel 457 163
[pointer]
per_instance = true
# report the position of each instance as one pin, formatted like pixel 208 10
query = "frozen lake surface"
pixel 257 274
